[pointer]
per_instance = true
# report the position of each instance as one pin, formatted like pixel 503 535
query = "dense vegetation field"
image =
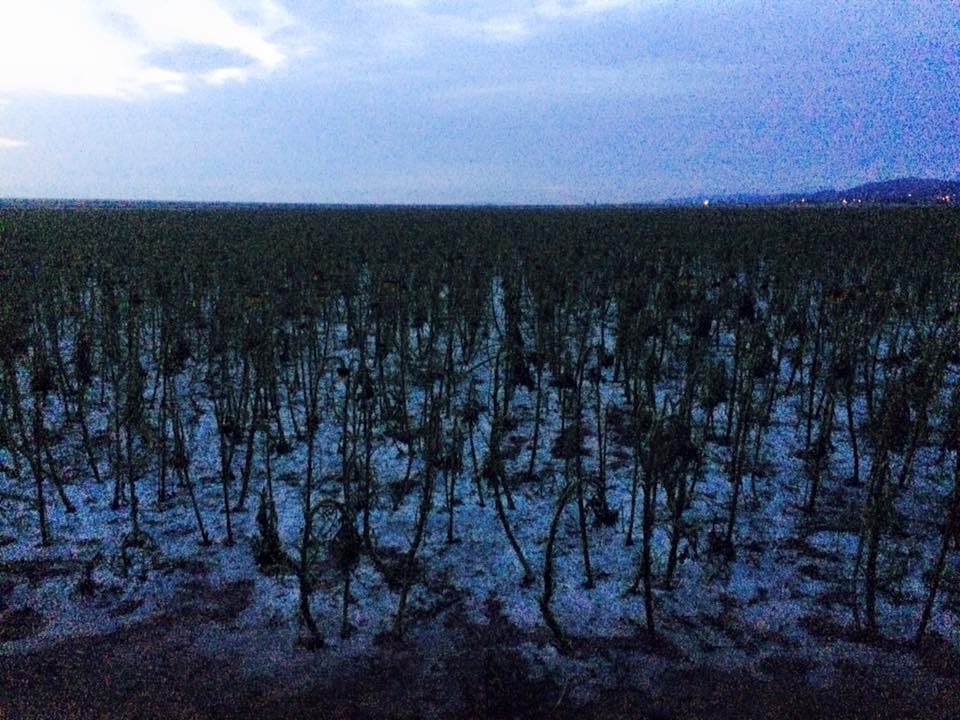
pixel 723 428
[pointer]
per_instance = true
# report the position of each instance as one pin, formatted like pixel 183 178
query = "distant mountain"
pixel 900 191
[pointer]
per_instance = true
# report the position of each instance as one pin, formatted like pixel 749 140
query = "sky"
pixel 435 101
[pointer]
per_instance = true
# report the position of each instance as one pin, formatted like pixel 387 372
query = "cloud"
pixel 574 8
pixel 646 79
pixel 11 143
pixel 499 21
pixel 129 48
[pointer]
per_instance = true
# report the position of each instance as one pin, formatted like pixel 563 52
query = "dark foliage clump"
pixel 267 547
pixel 568 444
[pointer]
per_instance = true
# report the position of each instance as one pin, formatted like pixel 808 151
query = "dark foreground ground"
pixel 155 670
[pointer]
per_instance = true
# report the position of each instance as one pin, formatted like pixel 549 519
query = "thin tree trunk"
pixel 649 518
pixel 549 618
pixel 951 529
pixel 423 513
pixel 852 430
pixel 538 408
pixel 306 539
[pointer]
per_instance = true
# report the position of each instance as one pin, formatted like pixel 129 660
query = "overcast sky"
pixel 433 101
